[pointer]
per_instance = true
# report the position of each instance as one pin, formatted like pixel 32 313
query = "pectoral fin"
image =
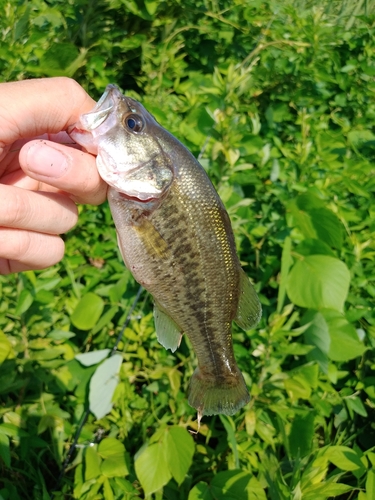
pixel 167 332
pixel 154 243
pixel 249 310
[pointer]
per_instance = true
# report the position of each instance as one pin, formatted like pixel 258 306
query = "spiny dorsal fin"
pixel 168 333
pixel 249 310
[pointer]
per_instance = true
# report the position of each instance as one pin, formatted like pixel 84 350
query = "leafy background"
pixel 277 101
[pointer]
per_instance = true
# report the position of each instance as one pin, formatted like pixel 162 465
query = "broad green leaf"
pixel 93 357
pixel 358 137
pixel 286 262
pixel 107 490
pixel 301 434
pixel 61 59
pixel 317 332
pixel 343 457
pixel 87 312
pixel 231 485
pixel 13 430
pixel 201 491
pixel 5 347
pixel 297 387
pixel 179 451
pixel 152 468
pixel 92 463
pixel 112 452
pixel 60 335
pixel 316 221
pixel 117 291
pixel 105 319
pixel 197 126
pixel 333 336
pixel 319 281
pixel 5 449
pixel 312 246
pixel 230 429
pixel 345 343
pixel 24 302
pixel 328 489
pixel 255 490
pixel 103 384
pixel 370 484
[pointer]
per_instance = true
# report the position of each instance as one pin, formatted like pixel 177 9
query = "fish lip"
pixel 88 122
pixel 138 200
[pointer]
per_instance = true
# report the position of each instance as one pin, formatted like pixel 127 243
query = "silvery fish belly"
pixel 175 237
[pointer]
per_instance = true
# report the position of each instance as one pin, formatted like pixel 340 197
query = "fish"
pixel 175 237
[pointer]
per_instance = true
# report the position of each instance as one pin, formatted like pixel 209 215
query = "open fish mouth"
pixel 93 119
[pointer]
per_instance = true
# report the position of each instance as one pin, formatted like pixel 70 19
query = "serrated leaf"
pixel 152 469
pixel 87 312
pixel 319 281
pixel 103 384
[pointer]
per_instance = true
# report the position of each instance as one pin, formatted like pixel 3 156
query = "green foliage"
pixel 276 100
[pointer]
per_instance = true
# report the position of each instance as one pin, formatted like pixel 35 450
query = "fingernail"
pixel 43 159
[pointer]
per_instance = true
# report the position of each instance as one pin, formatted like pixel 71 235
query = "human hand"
pixel 41 179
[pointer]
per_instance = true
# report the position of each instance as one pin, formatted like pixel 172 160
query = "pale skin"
pixel 42 177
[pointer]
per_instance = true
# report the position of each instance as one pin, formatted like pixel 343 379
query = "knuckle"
pixel 15 209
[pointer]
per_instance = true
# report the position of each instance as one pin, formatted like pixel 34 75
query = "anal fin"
pixel 249 309
pixel 167 331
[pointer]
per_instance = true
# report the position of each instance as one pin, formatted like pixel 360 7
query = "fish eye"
pixel 134 123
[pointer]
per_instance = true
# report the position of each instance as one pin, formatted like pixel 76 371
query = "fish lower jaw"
pixel 129 197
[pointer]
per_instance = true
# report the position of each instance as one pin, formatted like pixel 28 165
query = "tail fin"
pixel 210 395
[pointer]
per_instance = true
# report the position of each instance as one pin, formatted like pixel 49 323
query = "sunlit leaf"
pixel 87 312
pixel 93 357
pixel 103 384
pixel 179 451
pixel 319 281
pixel 152 469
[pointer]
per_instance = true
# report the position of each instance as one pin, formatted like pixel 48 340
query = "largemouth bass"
pixel 176 238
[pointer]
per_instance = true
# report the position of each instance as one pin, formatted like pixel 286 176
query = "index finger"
pixel 33 107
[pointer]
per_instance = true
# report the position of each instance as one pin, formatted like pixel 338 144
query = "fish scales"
pixel 188 279
pixel 178 243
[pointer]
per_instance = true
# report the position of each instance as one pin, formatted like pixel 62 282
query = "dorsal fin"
pixel 249 310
